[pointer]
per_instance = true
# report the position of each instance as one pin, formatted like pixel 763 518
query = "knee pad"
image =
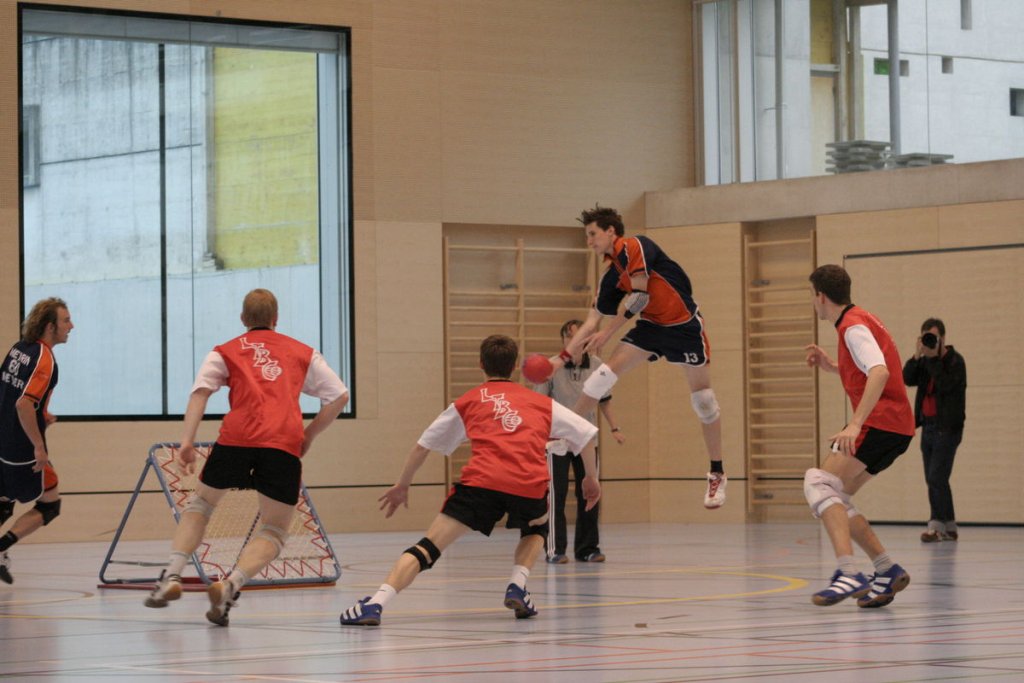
pixel 49 511
pixel 823 490
pixel 600 382
pixel 426 561
pixel 705 405
pixel 274 534
pixel 198 504
pixel 6 510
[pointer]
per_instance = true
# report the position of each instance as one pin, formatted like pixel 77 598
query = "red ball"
pixel 537 368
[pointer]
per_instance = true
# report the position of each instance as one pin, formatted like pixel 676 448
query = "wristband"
pixel 616 429
pixel 565 356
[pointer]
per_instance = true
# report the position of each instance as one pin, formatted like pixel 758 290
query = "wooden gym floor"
pixel 723 602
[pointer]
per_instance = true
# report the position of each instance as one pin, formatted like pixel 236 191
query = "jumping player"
pixel 260 446
pixel 27 379
pixel 508 427
pixel 879 432
pixel 643 282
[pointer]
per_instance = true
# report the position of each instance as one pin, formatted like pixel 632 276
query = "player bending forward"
pixel 508 427
pixel 260 446
pixel 879 432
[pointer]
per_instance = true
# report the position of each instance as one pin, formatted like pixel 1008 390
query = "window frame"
pixel 340 292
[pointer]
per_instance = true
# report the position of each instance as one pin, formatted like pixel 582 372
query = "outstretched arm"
pixel 816 357
pixel 328 413
pixel 398 495
pixel 193 416
pixel 845 441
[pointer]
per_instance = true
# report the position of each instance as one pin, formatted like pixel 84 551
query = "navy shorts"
pixel 878 449
pixel 275 473
pixel 686 344
pixel 20 483
pixel 480 509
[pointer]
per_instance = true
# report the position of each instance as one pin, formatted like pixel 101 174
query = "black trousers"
pixel 938 449
pixel 587 539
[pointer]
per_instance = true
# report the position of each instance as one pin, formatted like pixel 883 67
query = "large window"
pixel 793 88
pixel 176 165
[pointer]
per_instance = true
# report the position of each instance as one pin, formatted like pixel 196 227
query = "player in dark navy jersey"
pixel 27 378
pixel 642 282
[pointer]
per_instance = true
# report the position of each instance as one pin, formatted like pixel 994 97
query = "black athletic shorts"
pixel 878 449
pixel 686 343
pixel 20 483
pixel 480 509
pixel 274 473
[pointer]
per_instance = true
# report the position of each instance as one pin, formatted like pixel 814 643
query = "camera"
pixel 930 340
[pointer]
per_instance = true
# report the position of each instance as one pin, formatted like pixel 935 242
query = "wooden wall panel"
pixel 903 290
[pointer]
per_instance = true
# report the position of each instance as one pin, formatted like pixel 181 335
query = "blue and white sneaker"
pixel 885 586
pixel 842 587
pixel 518 599
pixel 362 613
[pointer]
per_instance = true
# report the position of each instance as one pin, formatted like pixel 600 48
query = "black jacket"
pixel 950 375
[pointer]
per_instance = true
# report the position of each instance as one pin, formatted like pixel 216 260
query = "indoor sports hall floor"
pixel 673 603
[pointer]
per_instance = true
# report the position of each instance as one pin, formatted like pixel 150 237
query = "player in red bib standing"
pixel 261 442
pixel 508 427
pixel 27 379
pixel 879 431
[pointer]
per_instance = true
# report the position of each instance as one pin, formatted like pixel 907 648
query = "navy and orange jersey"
pixel 892 413
pixel 265 372
pixel 30 371
pixel 671 296
pixel 508 427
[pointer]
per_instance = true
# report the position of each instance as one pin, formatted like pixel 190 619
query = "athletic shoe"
pixel 885 586
pixel 518 599
pixel 5 568
pixel 842 587
pixel 931 536
pixel 362 613
pixel 166 590
pixel 557 559
pixel 596 556
pixel 714 497
pixel 222 596
pixel 950 535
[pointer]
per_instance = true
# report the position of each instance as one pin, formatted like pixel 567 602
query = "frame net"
pixel 307 556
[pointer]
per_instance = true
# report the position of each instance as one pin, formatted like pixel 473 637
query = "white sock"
pixel 237 578
pixel 847 565
pixel 176 562
pixel 383 595
pixel 519 576
pixel 882 563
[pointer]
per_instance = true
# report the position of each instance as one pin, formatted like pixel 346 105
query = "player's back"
pixel 508 427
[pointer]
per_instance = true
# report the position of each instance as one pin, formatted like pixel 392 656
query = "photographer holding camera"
pixel 940 375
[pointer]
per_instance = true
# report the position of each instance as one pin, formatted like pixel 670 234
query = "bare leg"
pixel 528 549
pixel 32 519
pixel 623 359
pixel 837 523
pixel 443 531
pixel 860 528
pixel 699 378
pixel 192 525
pixel 261 550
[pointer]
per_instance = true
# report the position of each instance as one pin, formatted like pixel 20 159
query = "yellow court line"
pixel 791 583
